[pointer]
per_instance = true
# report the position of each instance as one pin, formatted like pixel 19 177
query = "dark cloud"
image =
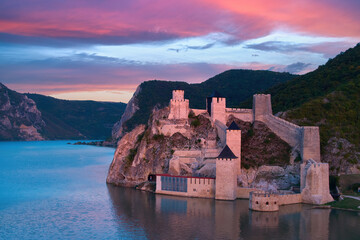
pixel 186 48
pixel 296 67
pixel 88 40
pixel 327 49
pixel 276 46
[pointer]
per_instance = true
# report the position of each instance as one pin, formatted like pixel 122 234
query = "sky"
pixel 103 49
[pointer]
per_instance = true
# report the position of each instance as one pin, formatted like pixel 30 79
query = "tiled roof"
pixel 226 153
pixel 233 126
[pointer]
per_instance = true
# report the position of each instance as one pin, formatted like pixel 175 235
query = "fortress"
pixel 226 154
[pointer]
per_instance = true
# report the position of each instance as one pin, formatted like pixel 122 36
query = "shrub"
pixel 158 137
pixel 195 122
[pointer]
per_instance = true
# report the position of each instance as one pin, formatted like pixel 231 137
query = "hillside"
pixel 66 119
pixel 236 85
pixel 328 97
pixel 19 117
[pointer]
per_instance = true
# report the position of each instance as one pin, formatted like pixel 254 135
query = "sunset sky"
pixel 103 49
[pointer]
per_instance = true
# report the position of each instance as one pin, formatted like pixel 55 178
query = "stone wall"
pixel 196 187
pixel 286 199
pixel 304 139
pixel 260 201
pixel 226 179
pixel 287 131
pixel 198 111
pixel 245 115
pixel 221 131
pixel 242 192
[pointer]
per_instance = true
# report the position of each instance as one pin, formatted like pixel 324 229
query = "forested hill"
pixel 66 119
pixel 336 73
pixel 328 97
pixel 236 85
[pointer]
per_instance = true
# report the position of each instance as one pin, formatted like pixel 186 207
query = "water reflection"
pixel 169 217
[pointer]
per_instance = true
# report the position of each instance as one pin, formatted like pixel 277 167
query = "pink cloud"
pixel 143 20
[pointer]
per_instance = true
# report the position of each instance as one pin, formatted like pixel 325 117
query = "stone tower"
pixel 310 143
pixel 226 175
pixel 215 105
pixel 233 140
pixel 179 107
pixel 261 106
pixel 314 183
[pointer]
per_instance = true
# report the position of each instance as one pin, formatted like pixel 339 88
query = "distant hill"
pixel 38 117
pixel 66 119
pixel 331 101
pixel 236 85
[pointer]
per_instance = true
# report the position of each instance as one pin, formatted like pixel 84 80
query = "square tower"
pixel 216 105
pixel 179 107
pixel 226 175
pixel 233 140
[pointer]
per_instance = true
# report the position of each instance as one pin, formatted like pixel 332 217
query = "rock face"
pixel 146 151
pixel 131 108
pixel 19 117
pixel 271 178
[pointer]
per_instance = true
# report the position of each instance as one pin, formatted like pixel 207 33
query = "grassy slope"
pixel 235 85
pixel 73 119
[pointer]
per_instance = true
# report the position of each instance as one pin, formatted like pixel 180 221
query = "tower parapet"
pixel 233 140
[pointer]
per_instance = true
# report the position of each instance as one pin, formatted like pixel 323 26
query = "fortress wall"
pixel 287 131
pixel 187 153
pixel 242 192
pixel 198 111
pixel 240 113
pixel 196 187
pixel 289 199
pixel 221 130
pixel 201 187
pixel 169 129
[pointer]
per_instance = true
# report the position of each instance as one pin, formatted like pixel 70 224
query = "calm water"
pixel 51 190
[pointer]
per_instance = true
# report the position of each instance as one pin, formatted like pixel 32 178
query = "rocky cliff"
pixel 19 117
pixel 132 106
pixel 190 147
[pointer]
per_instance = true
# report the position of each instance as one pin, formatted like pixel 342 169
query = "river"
pixel 53 190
